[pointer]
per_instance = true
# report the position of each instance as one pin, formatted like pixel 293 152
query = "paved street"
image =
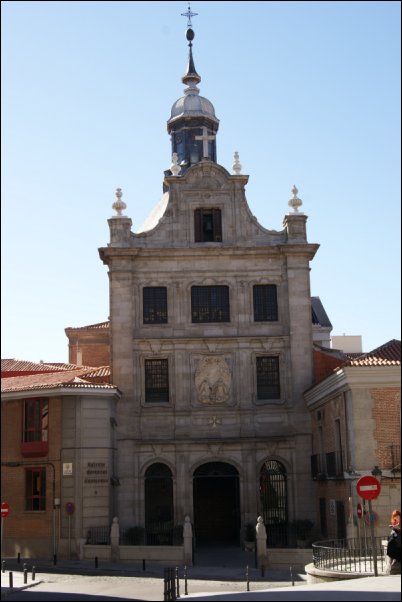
pixel 77 580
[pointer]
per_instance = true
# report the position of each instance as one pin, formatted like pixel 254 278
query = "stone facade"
pixel 213 413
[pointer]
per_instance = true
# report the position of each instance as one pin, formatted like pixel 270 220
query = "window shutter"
pixel 217 223
pixel 197 226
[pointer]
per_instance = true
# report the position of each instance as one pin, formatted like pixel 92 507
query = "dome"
pixel 192 105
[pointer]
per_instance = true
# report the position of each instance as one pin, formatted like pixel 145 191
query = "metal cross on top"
pixel 205 139
pixel 189 14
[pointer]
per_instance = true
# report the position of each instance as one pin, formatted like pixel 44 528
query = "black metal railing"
pixel 159 533
pixel 98 536
pixel 329 465
pixel 349 555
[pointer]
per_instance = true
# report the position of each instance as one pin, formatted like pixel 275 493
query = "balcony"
pixel 329 465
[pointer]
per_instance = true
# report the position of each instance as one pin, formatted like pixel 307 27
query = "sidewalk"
pixel 204 582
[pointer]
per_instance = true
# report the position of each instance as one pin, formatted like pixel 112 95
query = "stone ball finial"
pixel 236 165
pixel 119 205
pixel 295 202
pixel 175 168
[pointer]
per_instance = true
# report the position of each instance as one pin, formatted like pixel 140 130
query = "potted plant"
pixel 249 537
pixel 301 528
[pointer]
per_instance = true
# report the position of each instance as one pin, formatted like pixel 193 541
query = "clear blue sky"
pixel 308 93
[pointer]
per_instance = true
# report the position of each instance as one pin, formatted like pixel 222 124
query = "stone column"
pixel 261 539
pixel 115 539
pixel 188 541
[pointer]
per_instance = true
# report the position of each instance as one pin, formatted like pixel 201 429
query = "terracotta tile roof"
pixel 100 325
pixel 71 379
pixel 63 366
pixel 388 354
pixel 13 367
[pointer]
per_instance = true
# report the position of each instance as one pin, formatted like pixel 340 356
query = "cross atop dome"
pixel 189 14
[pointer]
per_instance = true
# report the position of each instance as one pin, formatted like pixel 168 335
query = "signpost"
pixel 5 511
pixel 368 488
pixel 69 507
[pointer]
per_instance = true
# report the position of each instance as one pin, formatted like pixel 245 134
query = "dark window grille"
pixel 36 420
pixel 268 378
pixel 207 225
pixel 265 303
pixel 155 305
pixel 210 304
pixel 156 381
pixel 35 488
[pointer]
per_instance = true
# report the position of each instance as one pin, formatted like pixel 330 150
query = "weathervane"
pixel 189 14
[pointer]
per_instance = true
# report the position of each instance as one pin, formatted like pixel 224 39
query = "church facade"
pixel 211 344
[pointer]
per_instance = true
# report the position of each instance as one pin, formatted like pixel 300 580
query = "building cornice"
pixel 353 377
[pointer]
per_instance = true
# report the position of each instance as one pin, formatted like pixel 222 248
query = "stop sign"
pixel 5 509
pixel 359 511
pixel 368 487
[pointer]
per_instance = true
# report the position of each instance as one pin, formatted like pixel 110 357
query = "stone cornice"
pixel 61 392
pixel 352 377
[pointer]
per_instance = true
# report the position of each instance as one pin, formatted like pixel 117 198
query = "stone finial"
pixel 236 164
pixel 175 168
pixel 295 202
pixel 119 205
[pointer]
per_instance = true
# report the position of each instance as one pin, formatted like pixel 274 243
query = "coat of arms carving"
pixel 213 380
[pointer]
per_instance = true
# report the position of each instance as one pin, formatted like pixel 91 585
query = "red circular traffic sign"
pixel 359 511
pixel 368 487
pixel 5 509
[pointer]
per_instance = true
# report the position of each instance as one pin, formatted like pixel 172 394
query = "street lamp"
pixel 15 464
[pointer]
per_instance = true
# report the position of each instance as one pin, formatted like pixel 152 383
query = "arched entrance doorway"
pixel 158 504
pixel 216 504
pixel 273 496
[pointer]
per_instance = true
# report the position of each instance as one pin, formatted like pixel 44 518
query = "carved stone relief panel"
pixel 213 380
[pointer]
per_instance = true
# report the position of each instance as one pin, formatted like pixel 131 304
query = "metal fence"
pixel 98 536
pixel 349 555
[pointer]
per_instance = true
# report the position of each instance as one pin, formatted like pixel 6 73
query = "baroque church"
pixel 211 347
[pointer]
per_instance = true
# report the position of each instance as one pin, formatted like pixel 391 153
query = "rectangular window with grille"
pixel 35 488
pixel 268 386
pixel 265 303
pixel 156 381
pixel 210 304
pixel 207 225
pixel 155 305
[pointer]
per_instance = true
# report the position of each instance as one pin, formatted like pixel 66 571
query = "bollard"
pixel 10 578
pixel 3 566
pixel 247 579
pixel 33 573
pixel 185 581
pixel 96 562
pixel 54 559
pixel 19 557
pixel 262 570
pixel 24 566
pixel 143 564
pixel 291 576
pixel 25 575
pixel 177 583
